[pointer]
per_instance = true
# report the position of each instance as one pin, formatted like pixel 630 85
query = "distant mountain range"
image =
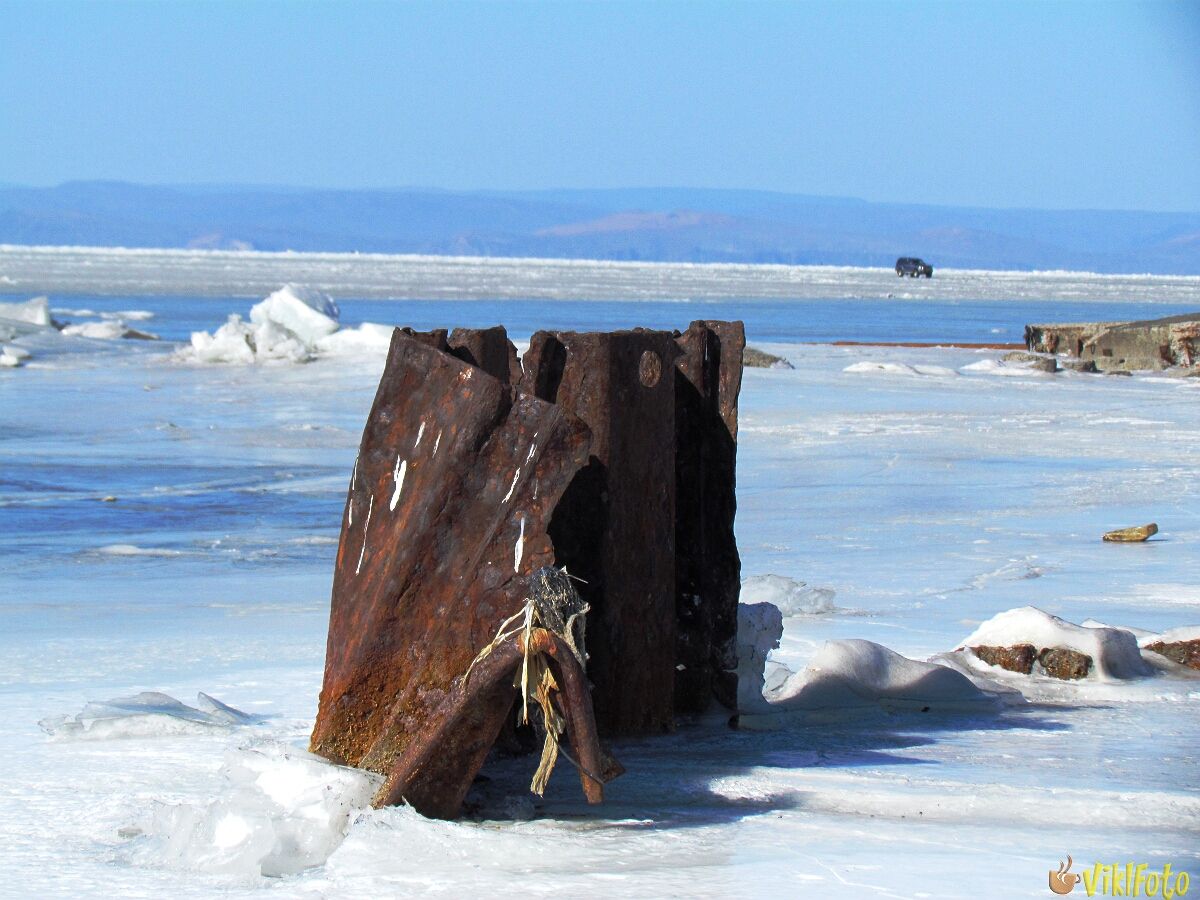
pixel 667 224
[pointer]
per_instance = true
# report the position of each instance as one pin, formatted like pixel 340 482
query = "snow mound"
pixel 281 811
pixel 294 324
pixel 1114 651
pixel 893 368
pixel 848 677
pixel 148 714
pixel 996 367
pixel 793 598
pixel 759 628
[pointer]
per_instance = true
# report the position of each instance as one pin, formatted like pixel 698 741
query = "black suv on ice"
pixel 913 267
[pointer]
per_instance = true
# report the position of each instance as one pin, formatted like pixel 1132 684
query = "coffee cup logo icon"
pixel 1064 880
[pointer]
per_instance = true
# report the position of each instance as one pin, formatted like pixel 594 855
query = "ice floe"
pixel 148 714
pixel 293 324
pixel 280 811
pixel 759 628
pixel 30 312
pixel 793 598
pixel 109 329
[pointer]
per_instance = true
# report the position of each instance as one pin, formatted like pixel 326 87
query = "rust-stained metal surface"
pixel 708 568
pixel 457 477
pixel 429 774
pixel 610 453
pixel 615 525
pixel 489 349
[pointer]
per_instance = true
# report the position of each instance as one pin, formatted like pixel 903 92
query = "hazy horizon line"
pixel 268 187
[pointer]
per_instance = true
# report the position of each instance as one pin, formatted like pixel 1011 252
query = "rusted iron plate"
pixel 428 776
pixel 447 514
pixel 615 525
pixel 489 349
pixel 707 565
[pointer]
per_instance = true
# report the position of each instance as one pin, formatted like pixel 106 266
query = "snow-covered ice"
pixel 252 273
pixel 889 517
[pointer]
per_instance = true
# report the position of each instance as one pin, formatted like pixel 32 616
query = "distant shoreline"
pixel 111 271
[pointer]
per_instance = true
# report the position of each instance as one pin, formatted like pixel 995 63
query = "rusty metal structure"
pixel 611 455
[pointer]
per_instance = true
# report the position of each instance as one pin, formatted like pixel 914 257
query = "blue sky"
pixel 1058 105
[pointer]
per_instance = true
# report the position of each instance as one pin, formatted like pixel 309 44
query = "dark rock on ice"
pixel 1186 653
pixel 754 358
pixel 1063 663
pixel 1018 658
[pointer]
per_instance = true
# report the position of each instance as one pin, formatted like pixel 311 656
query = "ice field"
pixel 128 272
pixel 168 525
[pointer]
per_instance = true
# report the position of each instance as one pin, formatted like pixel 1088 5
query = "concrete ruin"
pixel 607 456
pixel 1153 344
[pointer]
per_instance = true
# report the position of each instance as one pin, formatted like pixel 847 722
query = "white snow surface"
pixel 929 504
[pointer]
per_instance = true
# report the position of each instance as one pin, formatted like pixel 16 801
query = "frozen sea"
pixel 925 495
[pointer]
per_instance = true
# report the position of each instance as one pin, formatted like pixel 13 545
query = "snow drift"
pixel 850 677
